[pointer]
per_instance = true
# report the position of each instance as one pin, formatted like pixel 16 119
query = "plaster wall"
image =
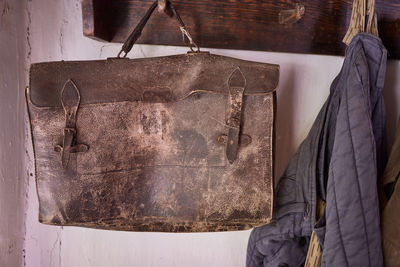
pixel 13 174
pixel 54 31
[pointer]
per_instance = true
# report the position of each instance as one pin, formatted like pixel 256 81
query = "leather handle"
pixel 134 36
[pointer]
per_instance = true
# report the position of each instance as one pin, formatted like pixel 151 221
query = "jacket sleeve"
pixel 270 246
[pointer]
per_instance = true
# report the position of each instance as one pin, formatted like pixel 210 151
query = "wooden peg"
pixel 163 6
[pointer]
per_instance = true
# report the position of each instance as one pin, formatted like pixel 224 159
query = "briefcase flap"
pixel 160 79
pixel 178 144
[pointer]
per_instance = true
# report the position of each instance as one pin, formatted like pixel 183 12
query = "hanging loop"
pixel 166 6
pixel 191 42
pixel 361 9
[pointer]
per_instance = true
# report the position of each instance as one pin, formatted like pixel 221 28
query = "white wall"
pixel 13 175
pixel 55 33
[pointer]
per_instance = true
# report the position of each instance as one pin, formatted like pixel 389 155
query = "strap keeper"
pixel 236 85
pixel 70 99
pixel 68 130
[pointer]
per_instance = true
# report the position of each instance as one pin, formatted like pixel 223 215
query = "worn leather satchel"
pixel 181 143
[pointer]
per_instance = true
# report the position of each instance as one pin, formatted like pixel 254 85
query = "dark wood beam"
pixel 265 25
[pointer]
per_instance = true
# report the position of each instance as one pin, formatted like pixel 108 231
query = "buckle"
pixel 236 84
pixel 70 99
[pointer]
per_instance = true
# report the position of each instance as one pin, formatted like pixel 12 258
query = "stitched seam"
pixel 258 240
pixel 274 255
pixel 269 235
pixel 338 223
pixel 254 248
pixel 357 180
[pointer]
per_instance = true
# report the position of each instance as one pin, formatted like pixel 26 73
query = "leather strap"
pixel 70 99
pixel 134 36
pixel 236 84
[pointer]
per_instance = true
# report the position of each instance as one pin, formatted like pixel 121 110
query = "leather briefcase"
pixel 181 143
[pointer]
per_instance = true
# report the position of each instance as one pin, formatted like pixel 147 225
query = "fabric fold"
pixel 338 162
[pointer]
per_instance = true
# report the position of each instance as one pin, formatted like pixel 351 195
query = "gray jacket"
pixel 339 161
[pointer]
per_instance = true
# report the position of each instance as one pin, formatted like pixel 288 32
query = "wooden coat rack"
pixel 308 26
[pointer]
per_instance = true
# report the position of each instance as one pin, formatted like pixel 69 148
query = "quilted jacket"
pixel 339 161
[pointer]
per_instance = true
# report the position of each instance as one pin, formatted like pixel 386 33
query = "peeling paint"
pixel 61 38
pixel 6 9
pixel 4 14
pixel 24 256
pixel 102 50
pixel 58 254
pixel 61 42
pixel 28 35
pixel 12 174
pixel 141 51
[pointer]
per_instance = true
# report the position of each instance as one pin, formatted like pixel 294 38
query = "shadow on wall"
pixel 391 94
pixel 285 143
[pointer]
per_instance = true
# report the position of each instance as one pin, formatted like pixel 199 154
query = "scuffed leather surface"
pixel 159 79
pixel 154 165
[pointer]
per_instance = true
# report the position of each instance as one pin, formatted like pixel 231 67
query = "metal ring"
pixel 191 42
pixel 120 52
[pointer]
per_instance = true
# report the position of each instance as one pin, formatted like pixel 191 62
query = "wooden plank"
pixel 235 24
